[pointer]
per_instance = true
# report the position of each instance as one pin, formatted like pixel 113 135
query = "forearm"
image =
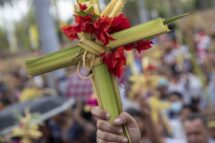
pixel 152 132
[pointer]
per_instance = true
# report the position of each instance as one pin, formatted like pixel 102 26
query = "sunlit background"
pixel 184 63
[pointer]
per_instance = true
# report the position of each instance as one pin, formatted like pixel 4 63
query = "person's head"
pixel 185 112
pixel 162 88
pixel 195 126
pixel 175 97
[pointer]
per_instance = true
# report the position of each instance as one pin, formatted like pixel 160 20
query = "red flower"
pixel 105 26
pixel 82 7
pixel 119 23
pixel 84 23
pixel 115 61
pixel 143 45
pixel 139 45
pixel 102 26
pixel 129 47
pixel 70 32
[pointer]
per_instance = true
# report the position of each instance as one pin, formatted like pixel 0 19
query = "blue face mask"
pixel 176 107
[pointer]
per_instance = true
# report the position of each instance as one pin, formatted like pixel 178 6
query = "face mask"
pixel 176 107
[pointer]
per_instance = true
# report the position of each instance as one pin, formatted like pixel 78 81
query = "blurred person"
pixel 154 108
pixel 61 85
pixel 81 127
pixel 211 126
pixel 211 87
pixel 185 112
pixel 78 87
pixel 152 104
pixel 176 84
pixel 176 53
pixel 58 127
pixel 202 42
pixel 196 129
pixel 175 115
pixel 163 88
pixel 90 126
pixel 176 101
pixel 46 133
pixel 147 128
pixel 193 87
pixel 165 138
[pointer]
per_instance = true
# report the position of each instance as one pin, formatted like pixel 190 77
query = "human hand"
pixel 112 132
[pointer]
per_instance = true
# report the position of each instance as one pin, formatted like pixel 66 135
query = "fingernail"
pixel 120 131
pixel 118 120
pixel 107 115
pixel 125 140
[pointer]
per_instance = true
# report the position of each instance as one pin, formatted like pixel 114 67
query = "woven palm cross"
pixel 88 52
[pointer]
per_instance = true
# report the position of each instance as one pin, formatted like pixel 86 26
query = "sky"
pixel 9 15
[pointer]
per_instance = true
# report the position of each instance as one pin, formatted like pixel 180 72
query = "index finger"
pixel 99 113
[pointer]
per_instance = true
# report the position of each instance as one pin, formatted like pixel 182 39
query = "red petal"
pixel 119 23
pixel 129 47
pixel 82 7
pixel 143 45
pixel 83 19
pixel 70 32
pixel 139 45
pixel 115 61
pixel 101 27
pixel 119 52
pixel 84 23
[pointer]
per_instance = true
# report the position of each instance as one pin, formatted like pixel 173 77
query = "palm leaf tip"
pixel 109 8
pixel 172 19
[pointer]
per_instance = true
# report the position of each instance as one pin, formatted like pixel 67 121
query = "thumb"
pixel 125 118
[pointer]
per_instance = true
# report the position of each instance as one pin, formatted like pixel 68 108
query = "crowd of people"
pixel 167 95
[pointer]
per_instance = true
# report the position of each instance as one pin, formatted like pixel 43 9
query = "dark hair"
pixel 135 112
pixel 175 93
pixel 190 107
pixel 196 116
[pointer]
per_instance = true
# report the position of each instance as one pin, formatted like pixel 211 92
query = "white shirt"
pixel 169 140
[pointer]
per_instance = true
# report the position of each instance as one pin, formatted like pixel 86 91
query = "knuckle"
pixel 124 115
pixel 100 134
pixel 97 133
pixel 99 124
pixel 118 138
pixel 100 141
pixel 113 129
pixel 104 136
